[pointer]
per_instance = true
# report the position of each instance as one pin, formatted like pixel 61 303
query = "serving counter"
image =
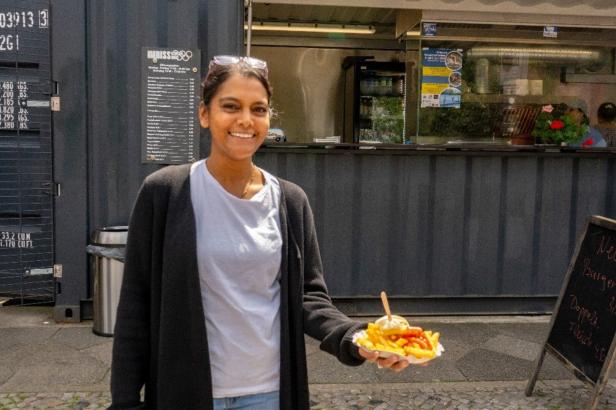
pixel 447 229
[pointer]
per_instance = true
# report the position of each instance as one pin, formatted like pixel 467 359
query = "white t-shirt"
pixel 239 253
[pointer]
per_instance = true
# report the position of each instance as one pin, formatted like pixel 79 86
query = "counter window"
pixel 372 75
pixel 492 91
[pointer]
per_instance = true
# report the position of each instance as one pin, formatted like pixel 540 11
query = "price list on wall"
pixel 14 105
pixel 170 97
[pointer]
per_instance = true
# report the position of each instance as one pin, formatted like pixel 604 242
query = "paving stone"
pixel 79 338
pixel 312 346
pixel 10 337
pixel 5 374
pixel 553 369
pixel 102 352
pixel 323 368
pixel 469 397
pixel 482 364
pixel 434 371
pixel 511 346
pixel 48 353
pixel 31 316
pixel 471 334
pixel 485 366
pixel 533 332
pixel 48 378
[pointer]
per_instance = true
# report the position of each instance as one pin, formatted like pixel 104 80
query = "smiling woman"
pixel 238 119
pixel 226 311
pixel 235 107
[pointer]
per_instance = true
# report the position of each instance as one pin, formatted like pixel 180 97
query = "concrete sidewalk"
pixel 486 364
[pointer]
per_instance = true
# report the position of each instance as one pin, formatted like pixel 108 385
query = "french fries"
pixel 405 341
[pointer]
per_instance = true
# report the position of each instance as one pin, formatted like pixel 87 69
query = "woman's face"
pixel 576 115
pixel 238 117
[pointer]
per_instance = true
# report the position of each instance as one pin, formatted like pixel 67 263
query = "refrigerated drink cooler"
pixel 373 101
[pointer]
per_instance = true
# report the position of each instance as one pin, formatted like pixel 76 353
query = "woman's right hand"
pixel 392 362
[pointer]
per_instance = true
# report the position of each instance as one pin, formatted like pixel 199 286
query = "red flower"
pixel 557 125
pixel 587 142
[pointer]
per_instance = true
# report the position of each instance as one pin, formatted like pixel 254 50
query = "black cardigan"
pixel 160 337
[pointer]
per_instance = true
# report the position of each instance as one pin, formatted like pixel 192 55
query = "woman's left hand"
pixel 392 362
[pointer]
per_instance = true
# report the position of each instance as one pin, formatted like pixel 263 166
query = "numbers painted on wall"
pixel 9 42
pixel 19 240
pixel 13 105
pixel 14 19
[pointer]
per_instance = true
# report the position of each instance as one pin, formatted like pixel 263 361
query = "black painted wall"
pixel 461 227
pixel 70 139
pixel 97 141
pixel 448 231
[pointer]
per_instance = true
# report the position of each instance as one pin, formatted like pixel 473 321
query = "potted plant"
pixel 554 127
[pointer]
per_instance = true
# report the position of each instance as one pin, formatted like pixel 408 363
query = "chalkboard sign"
pixel 583 330
pixel 583 325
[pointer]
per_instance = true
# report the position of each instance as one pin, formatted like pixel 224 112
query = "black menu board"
pixel 170 97
pixel 583 329
pixel 585 323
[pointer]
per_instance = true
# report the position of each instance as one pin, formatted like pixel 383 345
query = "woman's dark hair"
pixel 218 74
pixel 607 112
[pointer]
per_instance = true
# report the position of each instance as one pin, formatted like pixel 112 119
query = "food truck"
pixel 414 126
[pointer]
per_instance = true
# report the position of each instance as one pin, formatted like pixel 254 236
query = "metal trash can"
pixel 107 249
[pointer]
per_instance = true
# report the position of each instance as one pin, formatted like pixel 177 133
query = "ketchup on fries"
pixel 401 339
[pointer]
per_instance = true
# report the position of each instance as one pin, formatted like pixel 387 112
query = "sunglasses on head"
pixel 230 60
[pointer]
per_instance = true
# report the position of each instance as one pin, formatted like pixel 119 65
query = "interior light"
pixel 553 54
pixel 312 28
pixel 413 33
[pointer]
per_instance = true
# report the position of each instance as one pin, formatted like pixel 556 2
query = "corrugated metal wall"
pixel 449 228
pixel 423 225
pixel 68 63
pixel 97 148
pixel 117 32
pixel 26 199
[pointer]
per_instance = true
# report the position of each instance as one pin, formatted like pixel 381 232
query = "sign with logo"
pixel 169 101
pixel 550 31
pixel 428 29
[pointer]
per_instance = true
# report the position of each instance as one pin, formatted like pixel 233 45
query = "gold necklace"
pixel 249 183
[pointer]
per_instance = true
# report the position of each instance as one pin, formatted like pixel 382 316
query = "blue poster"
pixel 441 79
